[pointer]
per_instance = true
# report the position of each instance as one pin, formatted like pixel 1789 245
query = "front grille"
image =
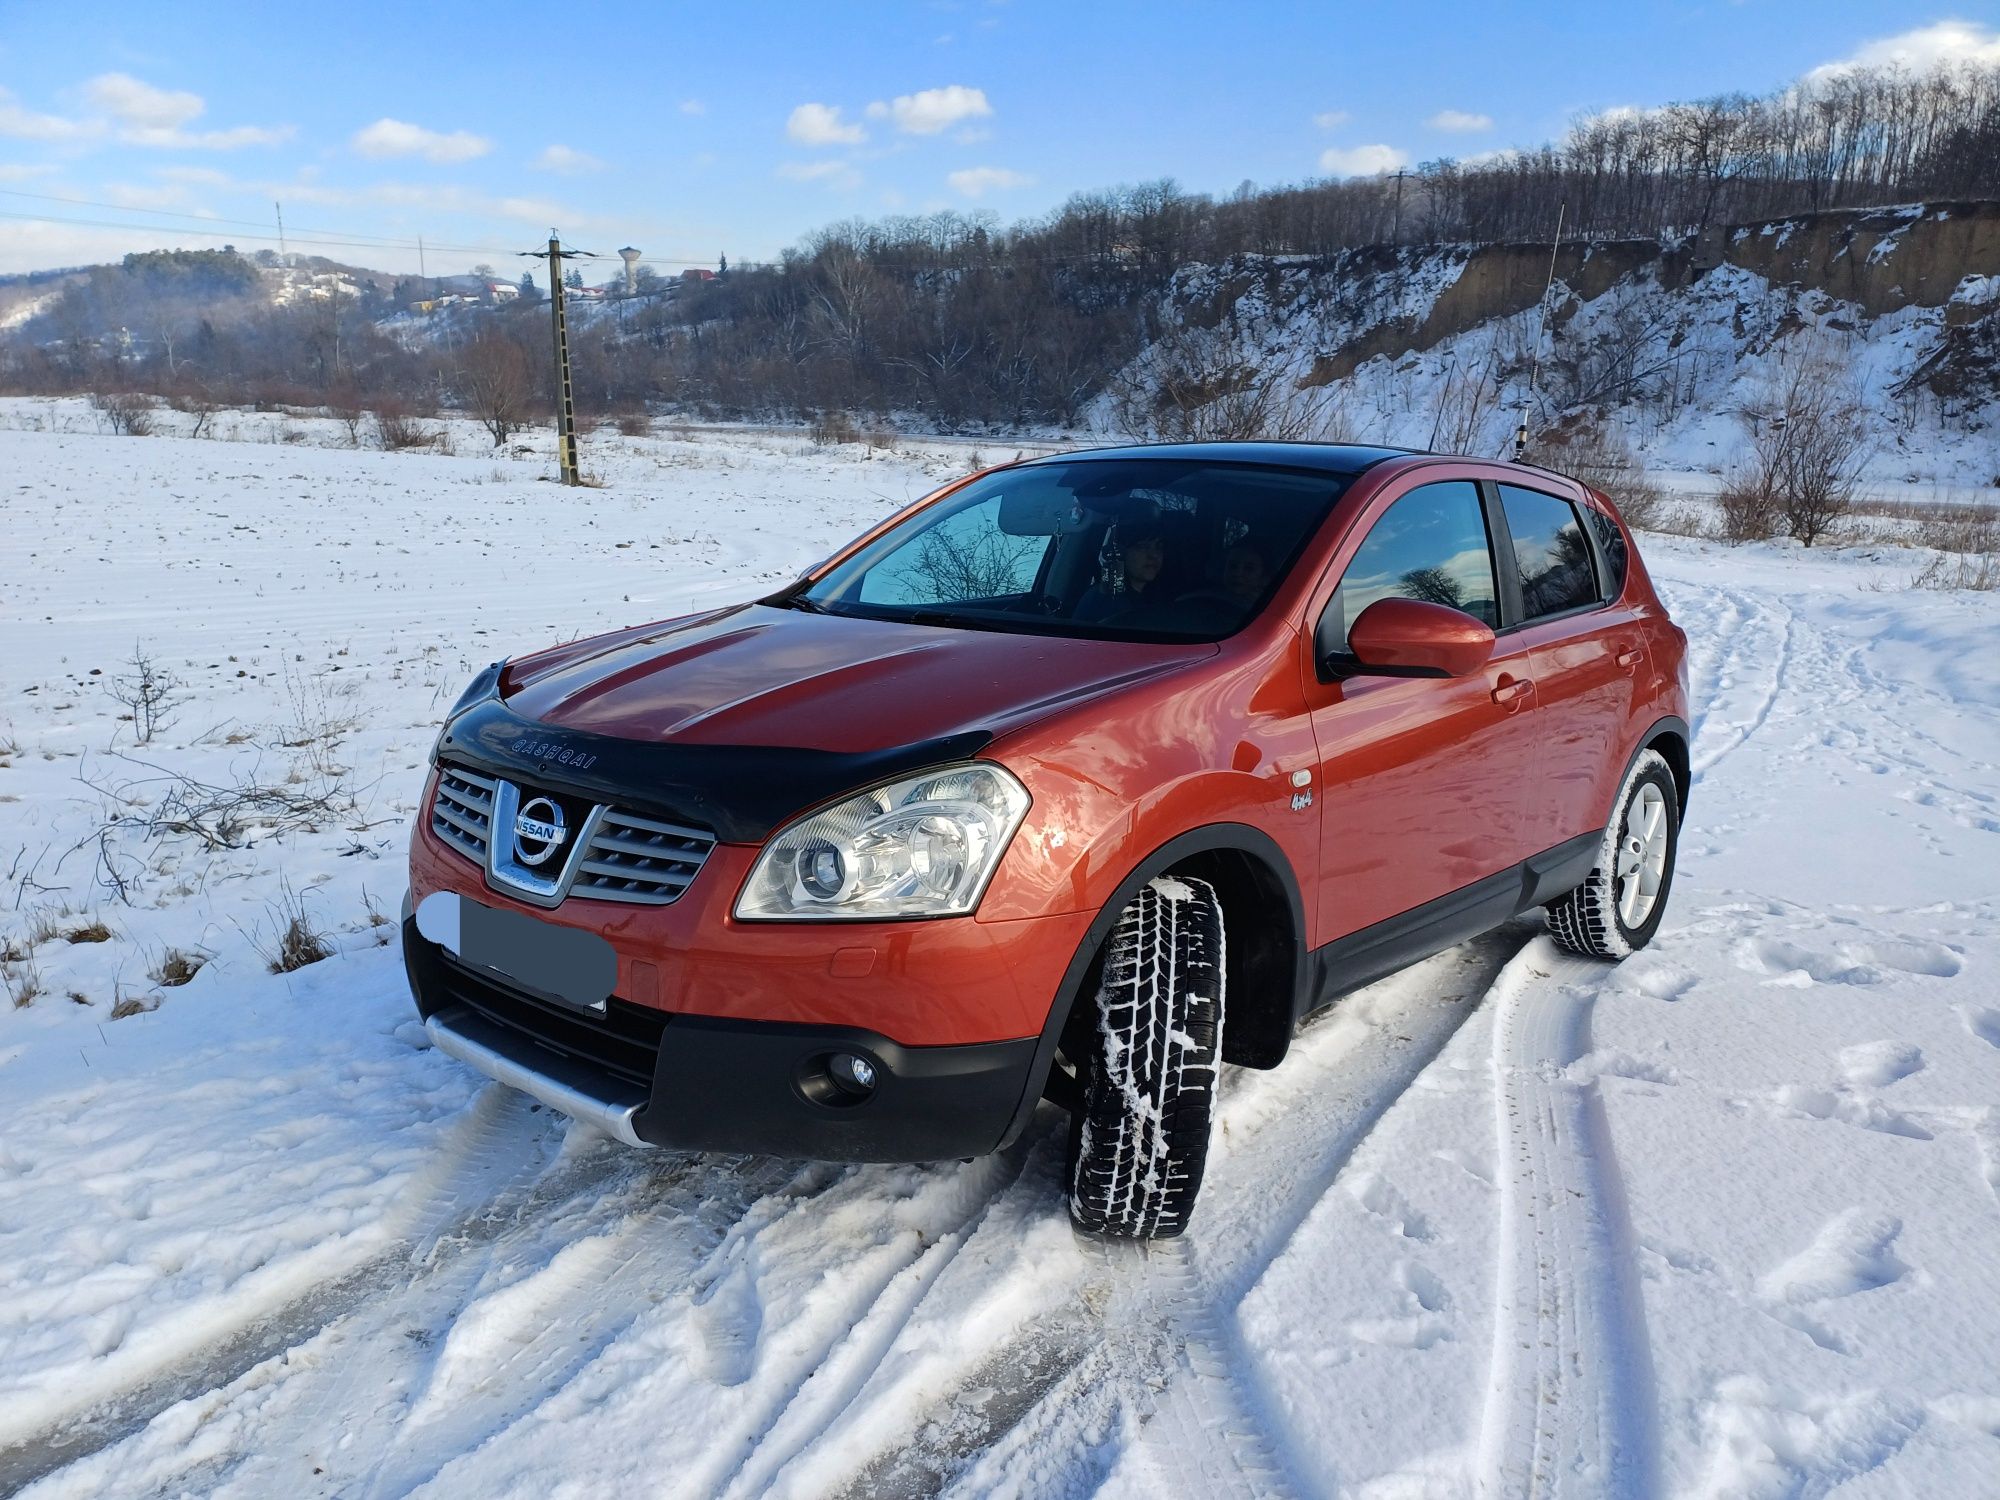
pixel 638 859
pixel 462 814
pixel 624 1041
pixel 629 858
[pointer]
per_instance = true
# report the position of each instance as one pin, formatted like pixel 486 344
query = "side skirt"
pixel 1361 958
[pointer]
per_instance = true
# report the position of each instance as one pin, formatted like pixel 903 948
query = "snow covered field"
pixel 1721 1220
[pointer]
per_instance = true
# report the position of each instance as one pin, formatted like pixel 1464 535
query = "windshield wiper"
pixel 801 602
pixel 957 622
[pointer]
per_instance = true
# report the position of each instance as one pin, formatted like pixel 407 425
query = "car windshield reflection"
pixel 1135 549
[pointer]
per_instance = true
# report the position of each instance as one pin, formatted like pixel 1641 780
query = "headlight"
pixel 925 846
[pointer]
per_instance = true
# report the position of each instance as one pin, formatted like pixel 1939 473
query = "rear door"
pixel 1421 781
pixel 1585 648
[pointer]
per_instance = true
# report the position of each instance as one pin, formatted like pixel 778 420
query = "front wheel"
pixel 1140 1139
pixel 1618 907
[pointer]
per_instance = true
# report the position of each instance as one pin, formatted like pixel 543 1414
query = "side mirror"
pixel 1409 638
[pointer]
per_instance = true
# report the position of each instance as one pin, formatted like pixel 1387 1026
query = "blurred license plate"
pixel 561 963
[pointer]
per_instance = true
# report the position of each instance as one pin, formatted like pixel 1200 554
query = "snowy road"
pixel 1716 1221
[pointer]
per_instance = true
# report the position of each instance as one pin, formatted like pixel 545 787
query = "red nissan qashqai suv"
pixel 1026 792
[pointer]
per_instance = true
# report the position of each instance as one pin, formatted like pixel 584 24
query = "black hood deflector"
pixel 741 793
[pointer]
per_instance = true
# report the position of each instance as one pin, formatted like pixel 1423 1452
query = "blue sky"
pixel 692 131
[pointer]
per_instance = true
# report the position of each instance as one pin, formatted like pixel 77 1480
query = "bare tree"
pixel 151 692
pixel 497 384
pixel 1809 441
pixel 1192 385
pixel 124 413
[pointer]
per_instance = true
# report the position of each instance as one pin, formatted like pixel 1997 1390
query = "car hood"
pixel 769 676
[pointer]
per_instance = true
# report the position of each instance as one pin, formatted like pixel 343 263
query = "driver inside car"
pixel 1142 554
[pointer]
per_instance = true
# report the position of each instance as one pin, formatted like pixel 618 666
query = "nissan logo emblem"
pixel 538 831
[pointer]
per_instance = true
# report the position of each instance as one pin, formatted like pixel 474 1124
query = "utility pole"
pixel 565 404
pixel 283 258
pixel 423 272
pixel 1396 232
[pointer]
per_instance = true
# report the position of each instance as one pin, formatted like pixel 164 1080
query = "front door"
pixel 1423 783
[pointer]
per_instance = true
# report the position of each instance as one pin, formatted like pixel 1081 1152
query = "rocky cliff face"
pixel 1675 340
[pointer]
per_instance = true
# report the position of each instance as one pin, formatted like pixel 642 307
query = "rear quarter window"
pixel 1610 548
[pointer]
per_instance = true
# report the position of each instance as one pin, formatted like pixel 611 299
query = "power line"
pixel 234 235
pixel 351 237
pixel 344 237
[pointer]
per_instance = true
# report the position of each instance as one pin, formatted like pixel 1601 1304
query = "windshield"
pixel 1122 549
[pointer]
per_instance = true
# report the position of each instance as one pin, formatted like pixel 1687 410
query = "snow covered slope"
pixel 1716 1221
pixel 1436 347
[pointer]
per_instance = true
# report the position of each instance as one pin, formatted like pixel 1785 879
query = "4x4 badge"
pixel 538 833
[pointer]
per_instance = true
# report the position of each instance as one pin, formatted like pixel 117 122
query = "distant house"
pixel 502 291
pixel 696 273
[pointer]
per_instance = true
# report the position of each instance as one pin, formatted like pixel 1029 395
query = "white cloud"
pixel 1460 120
pixel 1332 119
pixel 149 116
pixel 133 195
pixel 139 114
pixel 1361 161
pixel 396 138
pixel 693 107
pixel 140 105
pixel 838 174
pixel 566 160
pixel 26 125
pixel 1921 49
pixel 14 171
pixel 821 125
pixel 976 182
pixel 933 111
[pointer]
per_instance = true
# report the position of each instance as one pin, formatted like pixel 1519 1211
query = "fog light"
pixel 841 1080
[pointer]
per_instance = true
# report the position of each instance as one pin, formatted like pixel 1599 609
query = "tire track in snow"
pixel 1771 683
pixel 497 1164
pixel 1155 1339
pixel 442 1360
pixel 830 1386
pixel 1570 1399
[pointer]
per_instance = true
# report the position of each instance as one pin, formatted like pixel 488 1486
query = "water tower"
pixel 631 259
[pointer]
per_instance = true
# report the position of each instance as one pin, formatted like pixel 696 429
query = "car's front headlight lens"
pixel 925 846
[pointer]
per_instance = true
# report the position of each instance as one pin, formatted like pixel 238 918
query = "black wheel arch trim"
pixel 1668 726
pixel 1232 838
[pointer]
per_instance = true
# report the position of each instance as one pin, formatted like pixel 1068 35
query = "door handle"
pixel 1630 657
pixel 1512 688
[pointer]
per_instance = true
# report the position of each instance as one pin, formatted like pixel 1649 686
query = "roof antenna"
pixel 1535 368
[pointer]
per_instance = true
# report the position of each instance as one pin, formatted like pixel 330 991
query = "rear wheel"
pixel 1150 1050
pixel 1618 907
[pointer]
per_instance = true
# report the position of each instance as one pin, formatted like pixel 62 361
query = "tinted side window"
pixel 1611 547
pixel 1429 545
pixel 1551 553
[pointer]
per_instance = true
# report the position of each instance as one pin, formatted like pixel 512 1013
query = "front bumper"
pixel 711 1083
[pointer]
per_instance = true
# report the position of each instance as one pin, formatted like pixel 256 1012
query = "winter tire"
pixel 1618 907
pixel 1138 1144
